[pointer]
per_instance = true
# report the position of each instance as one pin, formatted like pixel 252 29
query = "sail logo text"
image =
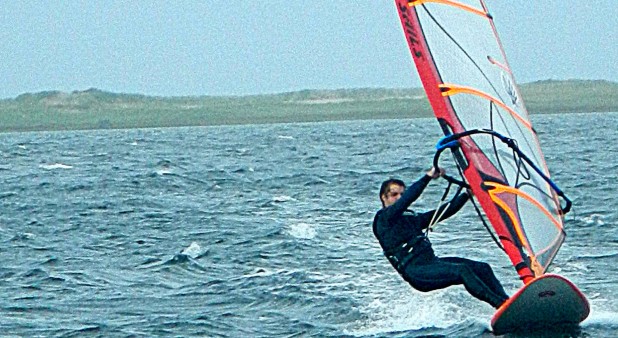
pixel 411 34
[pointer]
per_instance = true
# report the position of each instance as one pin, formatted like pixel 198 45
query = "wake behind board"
pixel 549 301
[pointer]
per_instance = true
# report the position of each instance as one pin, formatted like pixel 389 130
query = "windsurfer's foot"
pixel 500 303
pixel 496 301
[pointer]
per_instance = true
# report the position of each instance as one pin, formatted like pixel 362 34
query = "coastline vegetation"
pixel 97 109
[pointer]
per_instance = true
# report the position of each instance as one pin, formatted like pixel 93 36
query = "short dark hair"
pixel 386 184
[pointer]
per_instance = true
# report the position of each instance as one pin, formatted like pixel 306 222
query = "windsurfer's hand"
pixel 433 173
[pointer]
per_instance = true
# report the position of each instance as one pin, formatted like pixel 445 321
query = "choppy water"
pixel 264 231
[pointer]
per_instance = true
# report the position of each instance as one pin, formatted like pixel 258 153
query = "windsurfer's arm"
pixel 451 209
pixel 454 206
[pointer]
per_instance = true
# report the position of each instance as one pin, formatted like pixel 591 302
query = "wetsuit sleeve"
pixel 451 209
pixel 409 195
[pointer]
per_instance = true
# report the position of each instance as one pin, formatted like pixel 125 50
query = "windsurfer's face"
pixel 393 193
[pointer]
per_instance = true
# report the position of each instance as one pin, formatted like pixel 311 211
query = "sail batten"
pixel 452 89
pixel 453 3
pixel 470 86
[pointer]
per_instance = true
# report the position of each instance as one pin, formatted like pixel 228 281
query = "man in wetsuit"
pixel 405 244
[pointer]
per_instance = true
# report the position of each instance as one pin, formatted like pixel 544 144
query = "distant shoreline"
pixel 96 109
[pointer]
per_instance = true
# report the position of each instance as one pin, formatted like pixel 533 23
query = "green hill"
pixel 97 109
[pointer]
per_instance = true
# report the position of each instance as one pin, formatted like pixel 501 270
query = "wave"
pixel 430 316
pixel 187 257
pixel 602 319
pixel 54 166
pixel 283 198
pixel 302 231
pixel 194 251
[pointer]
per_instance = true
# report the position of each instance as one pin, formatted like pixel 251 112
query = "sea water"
pixel 265 231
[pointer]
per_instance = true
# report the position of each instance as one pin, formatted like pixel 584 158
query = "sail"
pixel 473 94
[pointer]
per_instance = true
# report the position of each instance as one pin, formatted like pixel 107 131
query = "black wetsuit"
pixel 405 244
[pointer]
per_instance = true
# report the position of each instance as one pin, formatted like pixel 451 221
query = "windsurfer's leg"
pixel 484 272
pixel 441 274
pixel 476 287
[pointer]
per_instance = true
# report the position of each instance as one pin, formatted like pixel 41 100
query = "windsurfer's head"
pixel 391 191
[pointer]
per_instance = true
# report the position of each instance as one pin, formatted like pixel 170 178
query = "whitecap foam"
pixel 283 198
pixel 164 171
pixel 193 250
pixel 55 166
pixel 400 314
pixel 302 231
pixel 399 308
pixel 601 318
pixel 263 272
pixel 165 167
pixel 594 219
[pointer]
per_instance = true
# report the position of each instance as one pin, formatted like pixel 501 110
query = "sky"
pixel 217 47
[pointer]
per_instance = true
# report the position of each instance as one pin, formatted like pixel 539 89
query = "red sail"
pixel 470 86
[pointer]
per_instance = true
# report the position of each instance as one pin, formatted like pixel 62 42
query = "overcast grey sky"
pixel 216 47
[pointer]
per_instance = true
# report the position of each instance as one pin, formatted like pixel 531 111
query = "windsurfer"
pixel 407 247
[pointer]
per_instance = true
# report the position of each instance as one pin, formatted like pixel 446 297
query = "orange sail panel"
pixel 470 86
